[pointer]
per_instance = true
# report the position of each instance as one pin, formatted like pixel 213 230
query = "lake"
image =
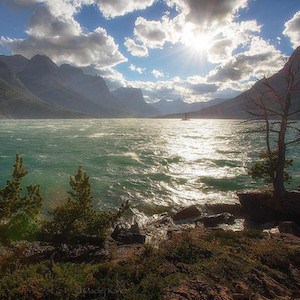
pixel 158 165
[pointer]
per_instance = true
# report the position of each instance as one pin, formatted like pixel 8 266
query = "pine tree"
pixel 18 210
pixel 77 217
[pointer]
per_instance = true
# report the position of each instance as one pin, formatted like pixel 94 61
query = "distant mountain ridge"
pixel 134 100
pixel 38 88
pixel 179 106
pixel 63 90
pixel 236 108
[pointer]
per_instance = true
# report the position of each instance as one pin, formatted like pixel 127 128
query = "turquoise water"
pixel 157 164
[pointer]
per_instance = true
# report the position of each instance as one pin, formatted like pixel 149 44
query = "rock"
pixel 218 208
pixel 274 289
pixel 261 207
pixel 244 290
pixel 128 236
pixel 237 296
pixel 188 213
pixel 197 289
pixel 289 227
pixel 215 220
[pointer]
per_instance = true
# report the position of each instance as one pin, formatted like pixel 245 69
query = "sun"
pixel 197 41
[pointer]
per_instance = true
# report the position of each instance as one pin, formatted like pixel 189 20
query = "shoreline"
pixel 191 254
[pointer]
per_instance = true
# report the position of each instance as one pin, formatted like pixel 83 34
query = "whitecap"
pixel 97 135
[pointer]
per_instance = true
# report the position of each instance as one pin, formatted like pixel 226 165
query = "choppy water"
pixel 156 164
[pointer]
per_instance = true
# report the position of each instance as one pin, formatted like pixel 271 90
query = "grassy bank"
pixel 192 265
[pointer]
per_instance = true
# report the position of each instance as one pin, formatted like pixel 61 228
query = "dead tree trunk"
pixel 274 105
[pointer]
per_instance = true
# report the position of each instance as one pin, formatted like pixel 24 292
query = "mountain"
pixel 16 102
pixel 16 63
pixel 43 78
pixel 179 106
pixel 70 88
pixel 66 89
pixel 92 87
pixel 236 107
pixel 6 73
pixel 133 100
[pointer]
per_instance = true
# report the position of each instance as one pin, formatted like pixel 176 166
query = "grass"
pixel 218 258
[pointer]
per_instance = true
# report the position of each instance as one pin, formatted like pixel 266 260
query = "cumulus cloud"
pixel 115 8
pixel 233 35
pixel 91 48
pixel 44 24
pixel 191 89
pixel 292 29
pixel 203 88
pixel 113 78
pixel 151 33
pixel 154 34
pixel 208 11
pixel 209 20
pixel 135 49
pixel 134 68
pixel 157 73
pixel 261 59
pixel 54 32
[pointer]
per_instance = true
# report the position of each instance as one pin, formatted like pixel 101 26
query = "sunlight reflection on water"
pixel 156 164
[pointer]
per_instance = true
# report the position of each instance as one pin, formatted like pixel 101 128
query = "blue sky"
pixel 196 50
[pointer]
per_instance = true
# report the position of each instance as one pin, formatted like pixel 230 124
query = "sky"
pixel 195 50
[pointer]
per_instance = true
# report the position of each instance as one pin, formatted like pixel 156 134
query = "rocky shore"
pixel 215 251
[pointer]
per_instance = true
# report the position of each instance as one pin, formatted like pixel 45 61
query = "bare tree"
pixel 275 103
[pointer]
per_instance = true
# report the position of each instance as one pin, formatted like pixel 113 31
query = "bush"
pixel 266 168
pixel 77 218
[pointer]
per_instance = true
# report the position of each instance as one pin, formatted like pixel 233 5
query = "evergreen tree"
pixel 18 210
pixel 77 217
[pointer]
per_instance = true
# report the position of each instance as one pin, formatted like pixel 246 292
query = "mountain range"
pixel 38 88
pixel 236 108
pixel 179 106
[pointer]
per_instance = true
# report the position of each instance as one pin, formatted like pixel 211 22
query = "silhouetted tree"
pixel 276 108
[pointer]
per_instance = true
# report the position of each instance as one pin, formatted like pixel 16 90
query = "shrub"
pixel 266 168
pixel 77 218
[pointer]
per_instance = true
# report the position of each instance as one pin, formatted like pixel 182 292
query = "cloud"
pixel 151 33
pixel 154 34
pixel 206 12
pixel 135 49
pixel 136 69
pixel 292 29
pixel 44 24
pixel 157 73
pixel 233 35
pixel 115 8
pixel 203 88
pixel 54 32
pixel 113 78
pixel 209 20
pixel 191 89
pixel 261 59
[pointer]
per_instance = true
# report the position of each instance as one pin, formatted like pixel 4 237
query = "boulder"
pixel 218 208
pixel 188 213
pixel 261 206
pixel 128 236
pixel 215 220
pixel 289 227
